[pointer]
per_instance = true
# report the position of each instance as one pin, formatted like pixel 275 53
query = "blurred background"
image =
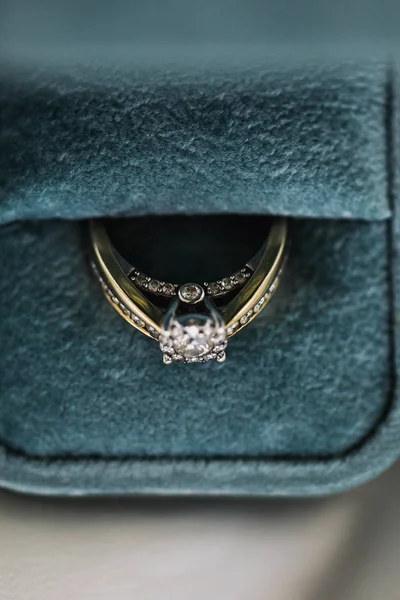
pixel 345 546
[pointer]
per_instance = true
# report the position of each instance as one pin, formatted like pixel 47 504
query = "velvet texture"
pixel 247 137
pixel 306 402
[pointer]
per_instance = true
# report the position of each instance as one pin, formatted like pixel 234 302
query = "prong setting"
pixel 193 337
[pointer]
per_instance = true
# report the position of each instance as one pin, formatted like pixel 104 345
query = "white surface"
pixel 339 548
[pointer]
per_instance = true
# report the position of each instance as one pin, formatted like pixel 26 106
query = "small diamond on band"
pixel 154 285
pixel 191 293
pixel 169 289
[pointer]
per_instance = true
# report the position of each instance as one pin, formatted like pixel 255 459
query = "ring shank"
pixel 134 305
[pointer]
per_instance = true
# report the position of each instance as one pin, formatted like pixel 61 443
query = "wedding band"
pixel 191 322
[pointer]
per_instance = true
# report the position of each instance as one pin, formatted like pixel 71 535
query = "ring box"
pixel 307 400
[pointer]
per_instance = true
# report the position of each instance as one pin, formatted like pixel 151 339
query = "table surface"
pixel 345 547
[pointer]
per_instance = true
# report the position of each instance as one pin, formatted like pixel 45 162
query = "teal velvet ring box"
pixel 307 401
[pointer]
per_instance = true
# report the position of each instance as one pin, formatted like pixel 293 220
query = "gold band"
pixel 134 305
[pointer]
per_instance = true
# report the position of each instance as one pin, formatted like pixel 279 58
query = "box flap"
pixel 229 134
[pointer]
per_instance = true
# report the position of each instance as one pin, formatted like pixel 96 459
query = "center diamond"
pixel 193 338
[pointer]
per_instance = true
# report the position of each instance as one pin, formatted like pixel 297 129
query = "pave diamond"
pixel 169 289
pixel 240 278
pixel 227 283
pixel 154 285
pixel 141 280
pixel 259 305
pixel 233 328
pixel 213 288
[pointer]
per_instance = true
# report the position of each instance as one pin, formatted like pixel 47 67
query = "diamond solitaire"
pixel 193 337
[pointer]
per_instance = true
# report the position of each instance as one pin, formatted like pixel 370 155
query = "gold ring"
pixel 191 322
